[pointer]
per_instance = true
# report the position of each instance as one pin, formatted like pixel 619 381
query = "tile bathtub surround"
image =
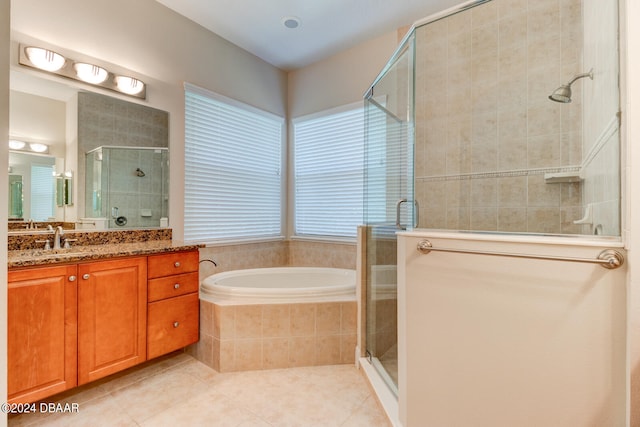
pixel 90 238
pixel 282 253
pixel 243 256
pixel 177 390
pixel 271 336
pixel 322 254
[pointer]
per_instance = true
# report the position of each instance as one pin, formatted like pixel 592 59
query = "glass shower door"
pixel 388 203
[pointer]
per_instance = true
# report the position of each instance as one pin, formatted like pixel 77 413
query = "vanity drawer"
pixel 172 286
pixel 172 263
pixel 172 324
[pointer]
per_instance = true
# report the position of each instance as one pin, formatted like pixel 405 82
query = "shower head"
pixel 563 93
pixel 139 172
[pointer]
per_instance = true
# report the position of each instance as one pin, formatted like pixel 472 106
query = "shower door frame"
pixel 398 204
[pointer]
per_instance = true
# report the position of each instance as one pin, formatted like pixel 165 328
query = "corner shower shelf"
pixel 562 177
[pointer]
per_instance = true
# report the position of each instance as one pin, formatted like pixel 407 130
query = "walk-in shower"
pixel 460 121
pixel 127 185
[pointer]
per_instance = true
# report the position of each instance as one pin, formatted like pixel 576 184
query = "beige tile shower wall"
pixel 601 126
pixel 107 121
pixel 602 189
pixel 485 130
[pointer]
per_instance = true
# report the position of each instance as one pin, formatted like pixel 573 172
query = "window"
pixel 233 157
pixel 42 192
pixel 328 163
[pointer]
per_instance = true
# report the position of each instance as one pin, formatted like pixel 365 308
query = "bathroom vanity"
pixel 85 313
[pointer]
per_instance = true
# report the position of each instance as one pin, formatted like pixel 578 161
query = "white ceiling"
pixel 326 26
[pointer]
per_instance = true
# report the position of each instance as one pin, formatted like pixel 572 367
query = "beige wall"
pixel 339 80
pixel 4 159
pixel 165 50
pixel 630 62
pixel 509 342
pixel 39 119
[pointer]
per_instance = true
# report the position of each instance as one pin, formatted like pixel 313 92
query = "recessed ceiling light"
pixel 291 22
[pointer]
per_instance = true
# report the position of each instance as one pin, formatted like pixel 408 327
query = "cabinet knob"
pixel 72 278
pixel 86 276
pixel 176 286
pixel 176 324
pixel 176 264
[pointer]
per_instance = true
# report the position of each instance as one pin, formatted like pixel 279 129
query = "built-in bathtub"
pixel 280 317
pixel 279 285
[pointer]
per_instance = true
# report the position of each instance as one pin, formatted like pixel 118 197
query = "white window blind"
pixel 42 192
pixel 328 164
pixel 233 183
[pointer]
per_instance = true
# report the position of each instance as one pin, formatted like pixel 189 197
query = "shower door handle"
pixel 416 213
pixel 398 204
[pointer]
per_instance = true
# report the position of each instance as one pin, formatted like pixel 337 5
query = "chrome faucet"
pixel 56 237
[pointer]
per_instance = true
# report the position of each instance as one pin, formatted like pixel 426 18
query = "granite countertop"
pixel 34 257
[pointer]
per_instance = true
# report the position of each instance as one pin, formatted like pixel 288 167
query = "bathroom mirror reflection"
pixel 72 122
pixel 127 185
pixel 32 187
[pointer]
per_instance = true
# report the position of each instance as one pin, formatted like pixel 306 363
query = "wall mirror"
pixel 34 193
pixel 73 122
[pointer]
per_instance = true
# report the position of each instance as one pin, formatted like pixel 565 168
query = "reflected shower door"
pixel 388 203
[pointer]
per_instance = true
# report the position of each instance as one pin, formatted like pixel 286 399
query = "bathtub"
pixel 283 317
pixel 279 285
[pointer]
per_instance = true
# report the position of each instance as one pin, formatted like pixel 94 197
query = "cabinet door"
pixel 42 332
pixel 112 310
pixel 173 324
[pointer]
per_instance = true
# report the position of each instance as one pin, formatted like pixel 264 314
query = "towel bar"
pixel 608 258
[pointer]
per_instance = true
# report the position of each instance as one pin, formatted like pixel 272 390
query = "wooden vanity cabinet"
pixel 112 310
pixel 42 332
pixel 72 324
pixel 173 311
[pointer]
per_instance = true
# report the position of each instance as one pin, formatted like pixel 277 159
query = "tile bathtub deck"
pixel 180 391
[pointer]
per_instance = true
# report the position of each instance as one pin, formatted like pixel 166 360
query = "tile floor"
pixel 179 391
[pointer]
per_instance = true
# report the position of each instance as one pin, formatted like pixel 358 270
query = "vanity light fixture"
pixel 35 147
pixel 87 72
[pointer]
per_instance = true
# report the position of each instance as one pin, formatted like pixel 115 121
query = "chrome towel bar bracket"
pixel 608 258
